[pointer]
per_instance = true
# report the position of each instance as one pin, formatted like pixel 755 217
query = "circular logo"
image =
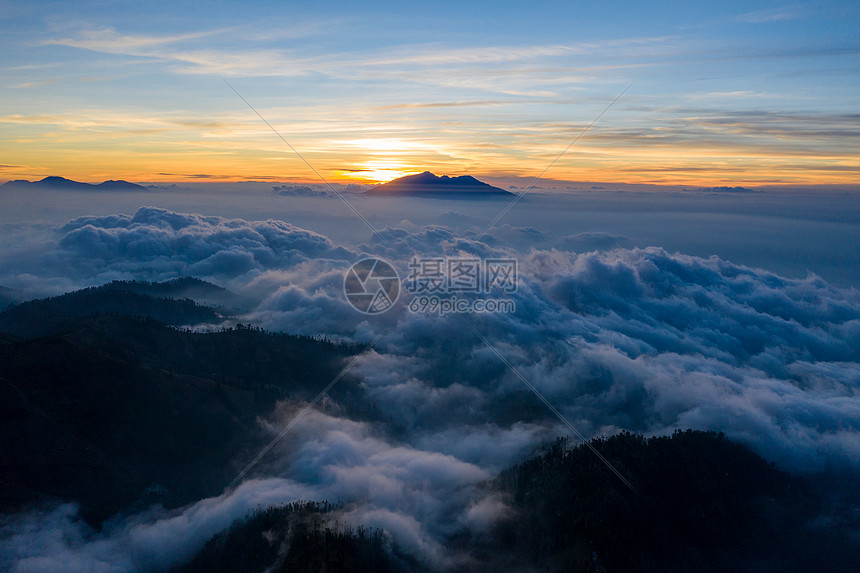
pixel 371 286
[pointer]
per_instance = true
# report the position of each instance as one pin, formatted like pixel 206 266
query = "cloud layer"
pixel 637 339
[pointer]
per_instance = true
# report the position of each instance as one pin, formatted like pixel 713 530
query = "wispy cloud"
pixel 97 118
pixel 733 94
pixel 479 67
pixel 769 15
pixel 432 55
pixel 467 103
pixel 109 41
pixel 175 49
pixel 36 84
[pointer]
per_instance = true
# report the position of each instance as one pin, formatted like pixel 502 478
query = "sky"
pixel 728 93
pixel 638 308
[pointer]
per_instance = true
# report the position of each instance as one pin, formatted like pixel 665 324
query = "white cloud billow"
pixel 636 339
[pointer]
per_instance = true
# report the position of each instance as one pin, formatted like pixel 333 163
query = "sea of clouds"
pixel 615 337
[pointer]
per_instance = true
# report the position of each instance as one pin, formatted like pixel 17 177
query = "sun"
pixel 378 171
pixel 381 159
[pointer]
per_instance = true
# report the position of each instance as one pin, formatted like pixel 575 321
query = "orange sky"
pixel 94 151
pixel 712 98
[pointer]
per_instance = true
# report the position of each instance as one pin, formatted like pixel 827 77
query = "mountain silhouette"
pixel 429 185
pixel 61 183
pixel 54 315
pixel 8 297
pixel 103 402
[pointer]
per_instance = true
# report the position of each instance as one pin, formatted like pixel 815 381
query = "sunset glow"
pixel 378 171
pixel 122 97
pixel 429 287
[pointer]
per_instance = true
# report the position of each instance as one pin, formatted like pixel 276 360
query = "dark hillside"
pixel 703 503
pixel 118 410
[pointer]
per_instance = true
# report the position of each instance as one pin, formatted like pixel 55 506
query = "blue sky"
pixel 646 311
pixel 727 93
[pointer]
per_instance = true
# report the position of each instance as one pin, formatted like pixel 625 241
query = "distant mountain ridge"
pixel 8 297
pixel 428 184
pixel 61 183
pixel 200 291
pixel 178 302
